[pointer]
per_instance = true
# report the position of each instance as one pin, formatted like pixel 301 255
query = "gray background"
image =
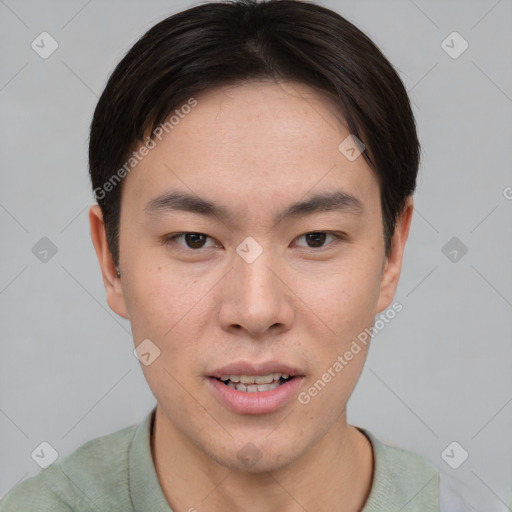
pixel 439 372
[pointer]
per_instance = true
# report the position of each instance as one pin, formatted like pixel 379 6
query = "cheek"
pixel 347 305
pixel 162 312
pixel 345 300
pixel 158 300
pixel 173 311
pixel 327 393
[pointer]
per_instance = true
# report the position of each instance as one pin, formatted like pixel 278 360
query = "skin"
pixel 255 149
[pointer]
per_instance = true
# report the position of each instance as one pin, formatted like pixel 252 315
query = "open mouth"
pixel 256 383
pixel 256 389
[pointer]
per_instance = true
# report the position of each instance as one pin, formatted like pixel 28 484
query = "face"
pixel 251 248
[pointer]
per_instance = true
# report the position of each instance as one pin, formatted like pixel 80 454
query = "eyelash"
pixel 171 239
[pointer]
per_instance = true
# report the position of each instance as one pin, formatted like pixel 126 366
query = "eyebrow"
pixel 322 202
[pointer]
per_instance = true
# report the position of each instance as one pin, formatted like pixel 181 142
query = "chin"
pixel 259 465
pixel 259 456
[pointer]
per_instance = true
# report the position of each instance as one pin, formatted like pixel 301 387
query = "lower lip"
pixel 261 402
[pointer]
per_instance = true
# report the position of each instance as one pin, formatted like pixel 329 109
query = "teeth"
pixel 253 388
pixel 264 379
pixel 254 379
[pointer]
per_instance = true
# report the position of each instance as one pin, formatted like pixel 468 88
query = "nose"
pixel 256 298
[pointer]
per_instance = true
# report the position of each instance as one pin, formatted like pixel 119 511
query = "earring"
pixel 118 273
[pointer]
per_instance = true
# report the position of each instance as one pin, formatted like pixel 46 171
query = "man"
pixel 254 165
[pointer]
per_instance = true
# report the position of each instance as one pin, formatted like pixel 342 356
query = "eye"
pixel 195 241
pixel 316 239
pixel 192 240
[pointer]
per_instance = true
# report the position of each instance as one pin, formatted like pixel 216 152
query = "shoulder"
pixel 395 463
pixel 402 480
pixel 94 477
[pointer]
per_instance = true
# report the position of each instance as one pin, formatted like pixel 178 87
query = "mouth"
pixel 256 383
pixel 255 388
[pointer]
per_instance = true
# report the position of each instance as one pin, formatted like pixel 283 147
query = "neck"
pixel 335 474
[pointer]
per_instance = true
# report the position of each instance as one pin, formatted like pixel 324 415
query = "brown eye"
pixel 316 239
pixel 195 240
pixel 191 240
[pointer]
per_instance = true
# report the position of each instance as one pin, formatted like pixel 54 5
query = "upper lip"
pixel 262 368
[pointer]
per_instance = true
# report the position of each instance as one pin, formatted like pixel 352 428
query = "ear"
pixel 393 265
pixel 112 282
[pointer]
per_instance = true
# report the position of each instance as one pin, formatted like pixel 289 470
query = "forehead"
pixel 260 141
